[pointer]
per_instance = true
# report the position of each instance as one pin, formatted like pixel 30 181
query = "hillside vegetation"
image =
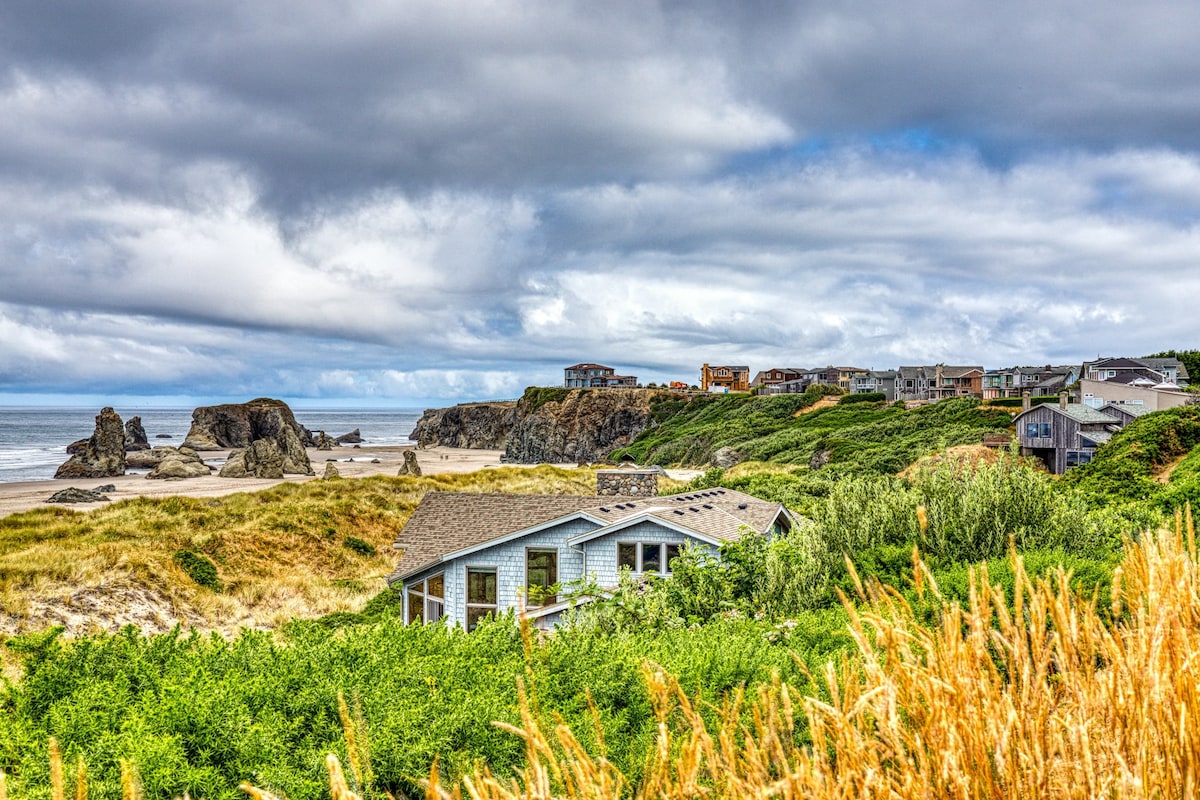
pixel 873 436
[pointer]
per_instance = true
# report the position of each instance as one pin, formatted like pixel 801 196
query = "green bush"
pixel 862 397
pixel 199 568
pixel 357 545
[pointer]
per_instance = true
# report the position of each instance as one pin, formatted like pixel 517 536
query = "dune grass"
pixel 280 554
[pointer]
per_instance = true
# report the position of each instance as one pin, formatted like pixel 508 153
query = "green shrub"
pixel 862 397
pixel 357 545
pixel 199 568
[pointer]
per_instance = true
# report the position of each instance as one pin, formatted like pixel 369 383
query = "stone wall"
pixel 627 483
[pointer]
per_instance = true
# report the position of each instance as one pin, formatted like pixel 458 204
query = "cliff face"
pixel 584 425
pixel 481 426
pixel 546 425
pixel 272 441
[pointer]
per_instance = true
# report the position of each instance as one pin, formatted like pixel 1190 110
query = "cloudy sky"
pixel 414 202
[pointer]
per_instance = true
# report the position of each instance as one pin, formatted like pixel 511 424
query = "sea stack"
pixel 101 456
pixel 270 441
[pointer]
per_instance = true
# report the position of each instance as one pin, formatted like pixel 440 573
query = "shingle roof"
pixel 1099 437
pixel 449 522
pixel 1127 408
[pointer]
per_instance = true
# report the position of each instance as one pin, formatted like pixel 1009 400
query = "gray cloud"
pixel 443 199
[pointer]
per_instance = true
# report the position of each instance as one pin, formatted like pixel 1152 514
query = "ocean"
pixel 33 441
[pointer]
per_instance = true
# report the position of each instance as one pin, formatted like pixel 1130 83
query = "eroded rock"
pixel 101 456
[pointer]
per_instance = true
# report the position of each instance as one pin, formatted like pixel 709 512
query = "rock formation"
pixel 103 455
pixel 353 437
pixel 483 426
pixel 323 441
pixel 726 457
pixel 585 425
pixel 410 465
pixel 135 435
pixel 272 441
pixel 183 462
pixel 331 471
pixel 75 495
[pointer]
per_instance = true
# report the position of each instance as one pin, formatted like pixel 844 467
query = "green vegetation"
pixel 1151 463
pixel 878 492
pixel 199 568
pixel 537 396
pixel 785 428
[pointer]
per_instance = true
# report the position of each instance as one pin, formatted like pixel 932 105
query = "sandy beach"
pixel 352 462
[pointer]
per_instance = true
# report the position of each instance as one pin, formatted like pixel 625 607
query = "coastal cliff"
pixel 545 425
pixel 479 426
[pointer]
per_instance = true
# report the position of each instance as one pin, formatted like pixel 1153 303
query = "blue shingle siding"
pixel 602 552
pixel 508 559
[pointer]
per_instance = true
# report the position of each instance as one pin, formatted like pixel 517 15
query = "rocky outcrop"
pixel 353 437
pixel 410 465
pixel 176 464
pixel 482 426
pixel 726 457
pixel 331 471
pixel 135 435
pixel 103 455
pixel 323 441
pixel 583 426
pixel 75 495
pixel 271 441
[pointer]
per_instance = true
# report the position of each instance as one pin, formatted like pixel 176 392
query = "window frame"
pixel 664 556
pixel 547 599
pixel 423 605
pixel 474 606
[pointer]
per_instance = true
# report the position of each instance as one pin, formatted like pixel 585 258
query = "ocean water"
pixel 33 441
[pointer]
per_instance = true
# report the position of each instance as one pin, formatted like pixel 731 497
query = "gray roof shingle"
pixel 448 522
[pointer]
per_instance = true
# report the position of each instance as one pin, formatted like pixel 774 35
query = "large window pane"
pixel 651 557
pixel 672 552
pixel 481 586
pixel 436 586
pixel 475 614
pixel 416 607
pixel 541 572
pixel 627 555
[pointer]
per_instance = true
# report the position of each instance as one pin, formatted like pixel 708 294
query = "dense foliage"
pixel 199 714
pixel 780 428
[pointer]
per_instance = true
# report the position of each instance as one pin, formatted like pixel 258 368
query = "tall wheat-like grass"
pixel 1034 695
pixel 1044 694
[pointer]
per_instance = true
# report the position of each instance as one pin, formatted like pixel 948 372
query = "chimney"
pixel 1062 400
pixel 1026 401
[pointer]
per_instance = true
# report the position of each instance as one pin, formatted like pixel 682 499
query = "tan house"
pixel 724 378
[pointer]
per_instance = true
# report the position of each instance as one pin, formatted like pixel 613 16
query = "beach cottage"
pixel 464 556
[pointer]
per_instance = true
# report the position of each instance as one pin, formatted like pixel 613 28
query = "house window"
pixel 481 594
pixel 541 572
pixel 1037 430
pixel 427 599
pixel 1078 457
pixel 647 556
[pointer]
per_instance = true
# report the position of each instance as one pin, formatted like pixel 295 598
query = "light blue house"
pixel 465 556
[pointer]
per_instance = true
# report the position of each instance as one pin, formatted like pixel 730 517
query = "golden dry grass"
pixel 1037 695
pixel 280 553
pixel 1044 694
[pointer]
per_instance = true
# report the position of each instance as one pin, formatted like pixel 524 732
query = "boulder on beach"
pixel 175 464
pixel 103 455
pixel 410 466
pixel 353 437
pixel 331 471
pixel 323 441
pixel 75 495
pixel 246 426
pixel 135 435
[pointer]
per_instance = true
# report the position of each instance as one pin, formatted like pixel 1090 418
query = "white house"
pixel 465 556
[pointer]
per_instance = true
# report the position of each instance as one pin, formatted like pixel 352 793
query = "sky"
pixel 429 201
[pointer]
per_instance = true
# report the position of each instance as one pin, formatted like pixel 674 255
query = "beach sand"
pixel 352 462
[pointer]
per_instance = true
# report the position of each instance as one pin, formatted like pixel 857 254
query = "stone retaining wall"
pixel 626 482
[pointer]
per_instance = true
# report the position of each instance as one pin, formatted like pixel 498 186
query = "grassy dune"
pixel 280 554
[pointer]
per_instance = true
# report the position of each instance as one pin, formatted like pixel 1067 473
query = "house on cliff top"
pixel 596 376
pixel 464 556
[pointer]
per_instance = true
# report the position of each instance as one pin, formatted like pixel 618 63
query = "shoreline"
pixel 19 496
